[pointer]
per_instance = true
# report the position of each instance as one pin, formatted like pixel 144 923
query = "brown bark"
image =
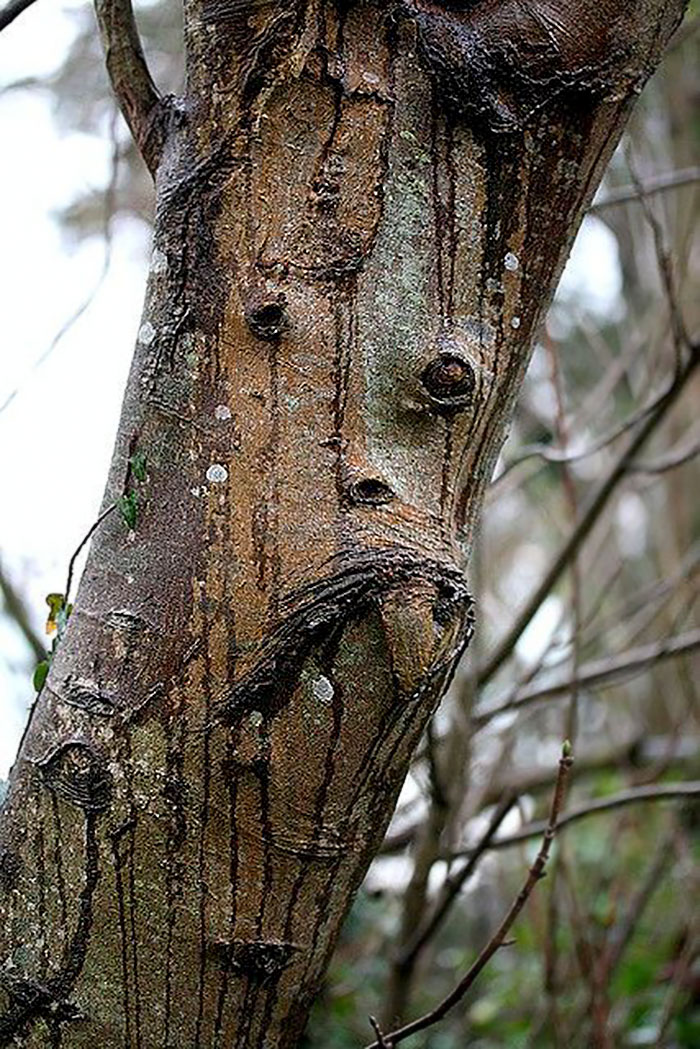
pixel 362 210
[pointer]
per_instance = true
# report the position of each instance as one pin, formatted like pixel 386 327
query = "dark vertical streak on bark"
pixel 133 896
pixel 438 211
pixel 175 788
pixel 445 487
pixel 344 337
pixel 41 883
pixel 451 174
pixel 121 910
pixel 201 860
pixel 265 822
pixel 58 860
pixel 273 516
pixel 383 732
pixel 233 878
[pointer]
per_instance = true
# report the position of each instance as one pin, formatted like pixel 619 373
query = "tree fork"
pixel 362 211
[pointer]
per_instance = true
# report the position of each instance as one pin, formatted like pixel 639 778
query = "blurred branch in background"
pixel 15 609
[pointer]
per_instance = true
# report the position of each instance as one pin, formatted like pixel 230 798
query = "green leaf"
pixel 138 466
pixel 128 508
pixel 40 674
pixel 56 617
pixel 55 603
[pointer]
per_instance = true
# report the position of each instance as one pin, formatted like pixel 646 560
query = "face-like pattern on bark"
pixel 362 211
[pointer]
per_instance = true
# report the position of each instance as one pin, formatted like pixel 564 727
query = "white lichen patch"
pixel 515 323
pixel 217 473
pixel 147 333
pixel 222 412
pixel 511 262
pixel 323 690
pixel 159 261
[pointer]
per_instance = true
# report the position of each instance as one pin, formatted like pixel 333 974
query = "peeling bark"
pixel 362 211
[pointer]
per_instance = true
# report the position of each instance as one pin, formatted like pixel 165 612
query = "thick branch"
pixel 131 80
pixel 13 10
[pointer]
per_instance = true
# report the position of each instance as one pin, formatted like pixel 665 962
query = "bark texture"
pixel 362 211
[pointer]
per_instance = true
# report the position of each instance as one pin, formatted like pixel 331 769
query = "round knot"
pixel 449 380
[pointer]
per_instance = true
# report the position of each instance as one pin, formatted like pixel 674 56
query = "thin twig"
pixel 597 673
pixel 590 515
pixel 571 495
pixel 109 204
pixel 664 262
pixel 498 940
pixel 454 884
pixel 673 459
pixel 381 1041
pixel 562 456
pixel 634 796
pixel 636 753
pixel 88 535
pixel 650 186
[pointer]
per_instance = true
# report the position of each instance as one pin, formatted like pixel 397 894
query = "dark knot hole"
pixel 449 379
pixel 267 318
pixel 370 491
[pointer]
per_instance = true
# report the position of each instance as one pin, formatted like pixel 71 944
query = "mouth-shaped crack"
pixel 311 613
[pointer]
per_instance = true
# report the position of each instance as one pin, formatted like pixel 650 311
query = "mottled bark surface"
pixel 362 210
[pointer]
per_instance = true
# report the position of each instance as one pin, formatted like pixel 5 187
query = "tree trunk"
pixel 362 210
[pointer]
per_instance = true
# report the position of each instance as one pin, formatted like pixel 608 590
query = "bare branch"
pixel 67 326
pixel 378 1033
pixel 131 81
pixel 599 672
pixel 590 515
pixel 563 457
pixel 656 184
pixel 635 796
pixel 634 754
pixel 454 884
pixel 664 261
pixel 15 609
pixel 13 10
pixel 88 535
pixel 498 940
pixel 670 461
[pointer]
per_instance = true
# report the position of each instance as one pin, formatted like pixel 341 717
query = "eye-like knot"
pixel 449 380
pixel 370 491
pixel 266 316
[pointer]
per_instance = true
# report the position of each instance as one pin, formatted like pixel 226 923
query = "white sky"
pixel 56 434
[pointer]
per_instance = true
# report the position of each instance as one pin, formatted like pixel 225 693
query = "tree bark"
pixel 362 211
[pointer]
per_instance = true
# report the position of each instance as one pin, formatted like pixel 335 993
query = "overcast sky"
pixel 57 430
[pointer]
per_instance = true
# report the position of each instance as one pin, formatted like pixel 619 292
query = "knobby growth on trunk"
pixel 362 210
